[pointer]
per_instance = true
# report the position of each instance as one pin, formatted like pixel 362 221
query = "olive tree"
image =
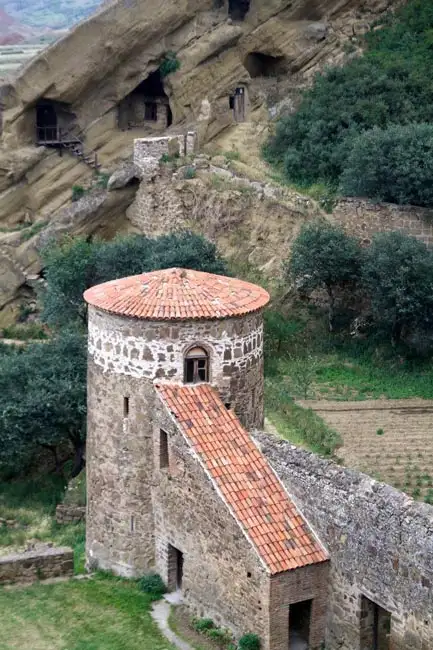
pixel 324 256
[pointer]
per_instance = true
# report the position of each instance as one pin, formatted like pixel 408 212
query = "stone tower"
pixel 177 326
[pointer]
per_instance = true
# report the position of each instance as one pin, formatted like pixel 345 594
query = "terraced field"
pixel 388 439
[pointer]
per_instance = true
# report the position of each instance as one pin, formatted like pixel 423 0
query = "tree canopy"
pixel 42 400
pixel 76 264
pixel 324 256
pixel 389 84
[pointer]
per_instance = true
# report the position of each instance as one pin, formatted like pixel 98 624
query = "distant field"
pixel 388 439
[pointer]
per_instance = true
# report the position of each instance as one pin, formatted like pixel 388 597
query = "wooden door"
pixel 239 105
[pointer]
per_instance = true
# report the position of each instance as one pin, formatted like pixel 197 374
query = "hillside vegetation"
pixel 371 119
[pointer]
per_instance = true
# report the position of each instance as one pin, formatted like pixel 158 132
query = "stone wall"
pixel 364 218
pixel 119 517
pixel 223 577
pixel 156 350
pixel 380 542
pixel 154 148
pixel 37 565
pixel 69 514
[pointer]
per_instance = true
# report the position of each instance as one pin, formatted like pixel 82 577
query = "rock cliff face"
pixel 238 60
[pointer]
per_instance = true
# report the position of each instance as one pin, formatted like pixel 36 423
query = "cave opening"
pixel 264 65
pixel 238 9
pixel 146 105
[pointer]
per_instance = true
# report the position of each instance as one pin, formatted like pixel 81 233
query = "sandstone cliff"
pixel 268 49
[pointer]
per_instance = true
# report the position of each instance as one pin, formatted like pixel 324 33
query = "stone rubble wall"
pixel 147 150
pixel 37 565
pixel 68 514
pixel 380 542
pixel 364 219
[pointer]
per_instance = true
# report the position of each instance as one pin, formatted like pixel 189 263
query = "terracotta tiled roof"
pixel 177 294
pixel 243 476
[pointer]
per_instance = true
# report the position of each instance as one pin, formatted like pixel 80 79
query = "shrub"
pixel 25 332
pixel 203 624
pixel 249 642
pixel 78 192
pixel 397 272
pixel 189 173
pixel 152 584
pixel 393 164
pixel 324 256
pixel 102 180
pixel 380 432
pixel 169 65
pixel 232 155
pixel 389 84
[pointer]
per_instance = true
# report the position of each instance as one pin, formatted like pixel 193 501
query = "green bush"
pixel 78 192
pixel 397 273
pixel 324 256
pixel 249 642
pixel 102 180
pixel 25 331
pixel 389 84
pixel 169 65
pixel 189 173
pixel 152 584
pixel 393 164
pixel 203 624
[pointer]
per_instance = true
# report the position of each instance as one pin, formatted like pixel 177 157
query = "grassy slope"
pixel 102 613
pixel 32 505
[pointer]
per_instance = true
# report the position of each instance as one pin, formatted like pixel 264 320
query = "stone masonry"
pixel 364 219
pixel 380 541
pixel 155 502
pixel 37 565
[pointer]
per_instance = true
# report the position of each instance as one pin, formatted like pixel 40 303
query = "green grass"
pixel 103 613
pixel 25 331
pixel 303 360
pixel 32 504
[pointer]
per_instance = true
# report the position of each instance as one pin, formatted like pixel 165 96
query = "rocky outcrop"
pixel 273 50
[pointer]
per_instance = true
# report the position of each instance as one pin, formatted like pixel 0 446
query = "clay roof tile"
pixel 177 294
pixel 254 494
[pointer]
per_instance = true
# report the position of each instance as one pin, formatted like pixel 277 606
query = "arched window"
pixel 196 366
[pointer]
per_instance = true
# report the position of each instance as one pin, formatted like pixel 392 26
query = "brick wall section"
pixel 364 218
pixel 68 514
pixel 380 543
pixel 307 583
pixel 37 565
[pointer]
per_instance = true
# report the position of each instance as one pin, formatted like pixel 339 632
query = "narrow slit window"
pixel 196 366
pixel 125 407
pixel 163 449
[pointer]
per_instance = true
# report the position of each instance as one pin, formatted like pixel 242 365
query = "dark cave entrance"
pixel 146 105
pixel 54 121
pixel 238 9
pixel 264 65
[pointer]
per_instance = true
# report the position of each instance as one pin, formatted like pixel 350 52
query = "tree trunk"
pixel 331 309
